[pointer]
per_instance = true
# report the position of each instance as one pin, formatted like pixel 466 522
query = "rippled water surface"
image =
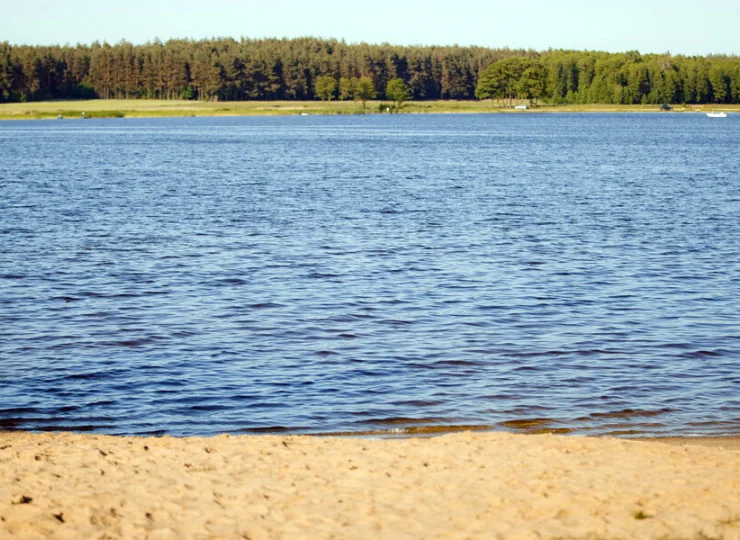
pixel 383 273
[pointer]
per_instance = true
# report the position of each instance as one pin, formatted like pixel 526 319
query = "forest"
pixel 225 69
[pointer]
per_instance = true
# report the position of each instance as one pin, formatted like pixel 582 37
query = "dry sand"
pixel 467 485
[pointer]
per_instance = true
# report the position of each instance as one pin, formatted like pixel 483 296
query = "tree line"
pixel 310 68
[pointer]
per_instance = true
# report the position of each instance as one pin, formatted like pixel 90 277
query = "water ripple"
pixel 379 275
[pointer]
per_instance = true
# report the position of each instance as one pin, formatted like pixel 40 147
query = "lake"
pixel 380 274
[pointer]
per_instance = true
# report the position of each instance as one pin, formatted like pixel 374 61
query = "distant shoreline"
pixel 119 108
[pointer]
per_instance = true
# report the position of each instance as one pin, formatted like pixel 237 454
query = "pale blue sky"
pixel 678 26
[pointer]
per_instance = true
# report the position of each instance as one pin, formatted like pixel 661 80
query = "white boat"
pixel 717 114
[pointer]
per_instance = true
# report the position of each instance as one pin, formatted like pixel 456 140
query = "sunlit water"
pixel 371 274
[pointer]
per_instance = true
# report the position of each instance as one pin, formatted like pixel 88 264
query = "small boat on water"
pixel 717 114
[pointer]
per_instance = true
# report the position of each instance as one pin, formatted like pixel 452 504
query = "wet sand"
pixel 465 485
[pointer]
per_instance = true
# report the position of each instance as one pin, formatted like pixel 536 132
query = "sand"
pixel 466 485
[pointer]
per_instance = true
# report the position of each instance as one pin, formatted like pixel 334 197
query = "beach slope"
pixel 466 485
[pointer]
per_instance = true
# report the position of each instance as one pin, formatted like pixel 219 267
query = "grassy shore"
pixel 129 108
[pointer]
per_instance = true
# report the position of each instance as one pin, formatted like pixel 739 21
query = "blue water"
pixel 371 274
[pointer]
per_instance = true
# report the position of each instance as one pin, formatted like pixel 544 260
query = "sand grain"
pixel 468 485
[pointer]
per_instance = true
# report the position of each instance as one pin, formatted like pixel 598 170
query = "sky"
pixel 649 26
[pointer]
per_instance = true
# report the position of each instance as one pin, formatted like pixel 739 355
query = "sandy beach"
pixel 465 485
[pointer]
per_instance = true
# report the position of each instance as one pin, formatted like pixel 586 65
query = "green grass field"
pixel 131 108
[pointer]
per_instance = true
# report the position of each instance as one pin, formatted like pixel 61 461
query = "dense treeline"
pixel 268 69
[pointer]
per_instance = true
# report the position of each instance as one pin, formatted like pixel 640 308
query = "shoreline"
pixel 729 439
pixel 731 442
pixel 461 485
pixel 73 110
